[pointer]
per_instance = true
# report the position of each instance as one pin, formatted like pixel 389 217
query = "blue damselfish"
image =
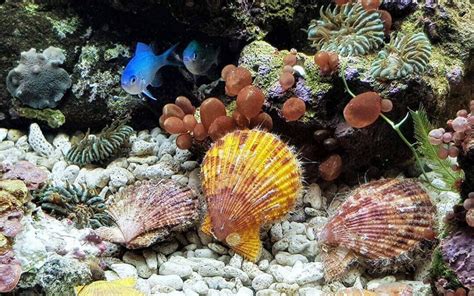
pixel 142 69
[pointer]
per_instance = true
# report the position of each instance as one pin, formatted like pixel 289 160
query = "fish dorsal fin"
pixel 142 47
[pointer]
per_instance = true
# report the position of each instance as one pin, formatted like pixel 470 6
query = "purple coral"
pixel 10 272
pixel 33 176
pixel 455 75
pixel 399 5
pixel 302 91
pixel 458 253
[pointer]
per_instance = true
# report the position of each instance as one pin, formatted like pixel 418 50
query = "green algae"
pixel 64 27
pixel 54 118
pixel 439 269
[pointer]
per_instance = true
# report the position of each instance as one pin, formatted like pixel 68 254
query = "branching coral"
pixel 405 55
pixel 98 148
pixel 75 203
pixel 349 30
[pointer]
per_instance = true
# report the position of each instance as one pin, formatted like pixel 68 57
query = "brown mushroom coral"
pixel 174 125
pixel 262 121
pixel 387 21
pixel 211 109
pixel 250 101
pixel 221 126
pixel 363 109
pixel 293 109
pixel 370 4
pixel 327 62
pixel 185 105
pixel 287 80
pixel 236 79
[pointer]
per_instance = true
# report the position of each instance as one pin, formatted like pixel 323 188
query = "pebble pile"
pixel 191 263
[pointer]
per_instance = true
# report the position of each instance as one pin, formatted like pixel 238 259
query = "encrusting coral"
pixel 13 195
pixel 379 225
pixel 33 176
pixel 404 55
pixel 75 203
pixel 457 252
pixel 250 178
pixel 348 29
pixel 38 81
pixel 99 148
pixel 148 211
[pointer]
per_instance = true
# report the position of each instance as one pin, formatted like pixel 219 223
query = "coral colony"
pixel 224 151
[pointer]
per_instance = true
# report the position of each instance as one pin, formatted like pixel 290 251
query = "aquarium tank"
pixel 236 147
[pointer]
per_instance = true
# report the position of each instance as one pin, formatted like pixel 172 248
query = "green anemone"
pixel 348 29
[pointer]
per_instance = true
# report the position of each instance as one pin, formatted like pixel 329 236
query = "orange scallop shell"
pixel 250 178
pixel 148 211
pixel 381 220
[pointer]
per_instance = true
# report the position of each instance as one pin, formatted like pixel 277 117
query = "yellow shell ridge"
pixel 249 178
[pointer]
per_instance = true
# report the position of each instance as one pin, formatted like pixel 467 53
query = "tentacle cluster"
pixel 76 203
pixel 98 148
pixel 405 55
pixel 348 29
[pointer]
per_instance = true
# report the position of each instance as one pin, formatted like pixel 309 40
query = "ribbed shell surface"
pixel 382 219
pixel 250 178
pixel 149 210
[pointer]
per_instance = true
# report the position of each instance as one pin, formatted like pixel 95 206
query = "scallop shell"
pixel 381 222
pixel 120 287
pixel 148 211
pixel 249 178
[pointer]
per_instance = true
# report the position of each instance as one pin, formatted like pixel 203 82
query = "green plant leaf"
pixel 429 152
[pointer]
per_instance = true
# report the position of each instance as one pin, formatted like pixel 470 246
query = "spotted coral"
pixel 76 203
pixel 405 55
pixel 349 30
pixel 99 148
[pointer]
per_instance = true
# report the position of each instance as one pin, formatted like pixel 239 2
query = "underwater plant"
pixel 148 212
pixel 349 30
pixel 76 203
pixel 381 223
pixel 99 148
pixel 404 55
pixel 430 152
pixel 250 178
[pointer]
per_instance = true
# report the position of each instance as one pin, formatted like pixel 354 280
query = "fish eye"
pixel 195 56
pixel 133 79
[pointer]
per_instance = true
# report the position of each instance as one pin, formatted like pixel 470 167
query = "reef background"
pixel 98 38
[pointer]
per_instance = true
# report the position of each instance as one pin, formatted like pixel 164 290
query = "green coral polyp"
pixel 405 55
pixel 99 148
pixel 75 203
pixel 348 29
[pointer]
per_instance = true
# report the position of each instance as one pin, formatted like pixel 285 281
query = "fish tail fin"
pixel 169 57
